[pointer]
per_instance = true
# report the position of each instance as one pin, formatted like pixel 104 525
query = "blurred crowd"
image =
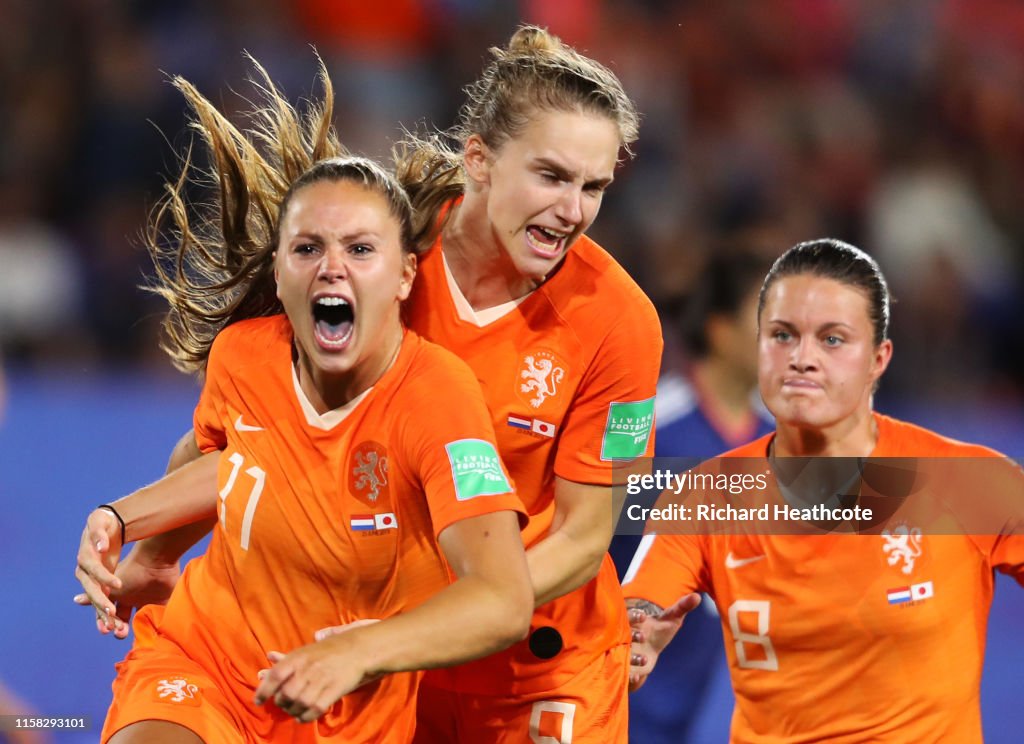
pixel 898 126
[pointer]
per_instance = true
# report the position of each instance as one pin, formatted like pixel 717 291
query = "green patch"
pixel 628 430
pixel 476 469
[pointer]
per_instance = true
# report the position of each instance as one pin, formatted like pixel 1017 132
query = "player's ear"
pixel 883 355
pixel 477 158
pixel 408 275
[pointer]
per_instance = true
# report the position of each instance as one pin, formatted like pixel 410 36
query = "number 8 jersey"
pixel 841 637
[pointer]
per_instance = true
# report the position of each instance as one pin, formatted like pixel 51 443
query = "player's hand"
pixel 651 634
pixel 98 555
pixel 309 680
pixel 142 582
pixel 320 635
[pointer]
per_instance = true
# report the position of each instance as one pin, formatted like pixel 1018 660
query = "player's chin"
pixel 537 268
pixel 328 360
pixel 796 412
pixel 812 419
pixel 335 363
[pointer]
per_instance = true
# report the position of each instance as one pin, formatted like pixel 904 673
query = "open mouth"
pixel 333 321
pixel 545 242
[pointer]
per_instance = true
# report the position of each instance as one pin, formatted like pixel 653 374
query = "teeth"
pixel 331 301
pixel 336 343
pixel 551 233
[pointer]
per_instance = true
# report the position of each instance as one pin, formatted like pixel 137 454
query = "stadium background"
pixel 896 126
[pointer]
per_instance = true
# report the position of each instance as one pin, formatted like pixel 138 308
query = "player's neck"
pixel 483 271
pixel 854 436
pixel 328 392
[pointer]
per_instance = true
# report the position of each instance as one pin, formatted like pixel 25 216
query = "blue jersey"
pixel 686 426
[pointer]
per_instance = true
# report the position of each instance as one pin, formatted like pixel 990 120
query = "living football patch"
pixel 476 469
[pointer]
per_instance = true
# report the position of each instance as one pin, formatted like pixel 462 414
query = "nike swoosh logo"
pixel 732 561
pixel 241 426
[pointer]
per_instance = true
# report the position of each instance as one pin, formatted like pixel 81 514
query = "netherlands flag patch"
pixel 535 426
pixel 361 522
pixel 520 423
pixel 912 593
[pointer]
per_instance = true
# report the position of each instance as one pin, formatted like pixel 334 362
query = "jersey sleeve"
pixel 1007 548
pixel 611 419
pixel 666 567
pixel 451 443
pixel 988 498
pixel 211 414
pixel 1007 555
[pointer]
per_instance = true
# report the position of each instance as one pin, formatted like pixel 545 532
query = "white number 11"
pixel 260 478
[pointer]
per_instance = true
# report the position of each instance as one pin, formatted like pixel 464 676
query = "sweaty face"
pixel 817 361
pixel 341 276
pixel 544 187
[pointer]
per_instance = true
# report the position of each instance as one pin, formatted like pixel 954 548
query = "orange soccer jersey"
pixel 569 373
pixel 324 519
pixel 845 638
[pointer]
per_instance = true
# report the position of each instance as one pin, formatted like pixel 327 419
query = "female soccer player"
pixel 839 637
pixel 567 349
pixel 357 465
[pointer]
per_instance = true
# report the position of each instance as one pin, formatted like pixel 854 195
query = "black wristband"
pixel 113 511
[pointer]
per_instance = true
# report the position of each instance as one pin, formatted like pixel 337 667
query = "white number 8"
pixel 567 711
pixel 762 608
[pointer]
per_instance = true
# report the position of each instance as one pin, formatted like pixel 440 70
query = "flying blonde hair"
pixel 213 261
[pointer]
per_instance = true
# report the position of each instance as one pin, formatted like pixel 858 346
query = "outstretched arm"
pixel 487 608
pixel 165 550
pixel 151 569
pixel 183 497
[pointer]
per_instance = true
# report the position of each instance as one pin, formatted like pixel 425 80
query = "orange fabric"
pixel 585 341
pixel 590 709
pixel 816 649
pixel 163 681
pixel 290 555
pixel 163 685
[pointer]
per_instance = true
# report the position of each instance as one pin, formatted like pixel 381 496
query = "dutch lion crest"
pixel 368 472
pixel 371 472
pixel 543 373
pixel 902 543
pixel 177 690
